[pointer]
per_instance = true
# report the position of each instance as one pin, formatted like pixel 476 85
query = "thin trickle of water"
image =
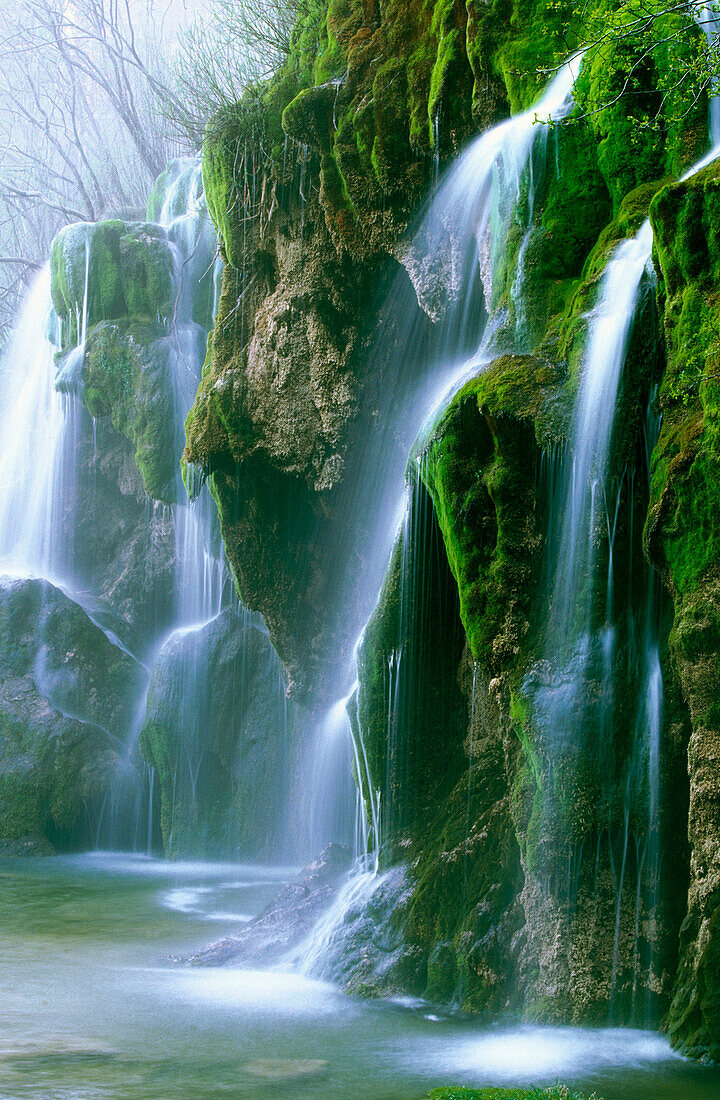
pixel 311 956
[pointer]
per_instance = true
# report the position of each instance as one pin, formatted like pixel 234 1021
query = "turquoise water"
pixel 91 1006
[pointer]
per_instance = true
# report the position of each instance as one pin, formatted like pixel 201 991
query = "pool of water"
pixel 91 1006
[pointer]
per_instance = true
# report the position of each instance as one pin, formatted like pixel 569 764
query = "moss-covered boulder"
pixel 108 269
pixel 128 376
pixel 119 549
pixel 479 467
pixel 66 713
pixel 219 734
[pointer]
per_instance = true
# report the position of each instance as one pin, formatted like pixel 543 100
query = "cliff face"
pixel 534 870
pixel 682 538
pixel 312 183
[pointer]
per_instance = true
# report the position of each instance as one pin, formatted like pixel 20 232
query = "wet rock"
pixel 288 918
pixel 66 707
pixel 286 1070
pixel 219 733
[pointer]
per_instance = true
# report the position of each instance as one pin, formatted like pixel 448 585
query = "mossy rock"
pixel 309 117
pixel 66 703
pixel 682 535
pixel 682 527
pixel 110 269
pixel 621 88
pixel 478 465
pixel 128 376
pixel 215 731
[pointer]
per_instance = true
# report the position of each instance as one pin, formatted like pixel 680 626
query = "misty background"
pixel 98 96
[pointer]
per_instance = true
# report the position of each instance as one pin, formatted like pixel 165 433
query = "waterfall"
pixel 460 238
pixel 575 693
pixel 46 430
pixel 707 18
pixel 32 454
pixel 458 243
pixel 200 566
pixel 608 333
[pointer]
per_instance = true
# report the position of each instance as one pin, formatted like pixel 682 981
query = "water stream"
pixel 88 1010
pixel 457 245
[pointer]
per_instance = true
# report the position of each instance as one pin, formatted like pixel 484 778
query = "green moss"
pixel 229 146
pixel 127 376
pixel 572 206
pixel 682 525
pixel 479 469
pixel 156 197
pixel 309 117
pixel 109 269
pixel 569 340
pixel 634 145
pixel 146 271
pixel 540 39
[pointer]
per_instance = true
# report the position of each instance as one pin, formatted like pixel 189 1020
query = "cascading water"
pixel 609 331
pixel 575 696
pixel 590 500
pixel 32 452
pixel 46 430
pixel 458 244
pixel 200 567
pixel 707 17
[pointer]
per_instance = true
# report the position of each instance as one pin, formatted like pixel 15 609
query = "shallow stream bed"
pixel 90 1008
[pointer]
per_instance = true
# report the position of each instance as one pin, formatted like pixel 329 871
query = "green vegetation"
pixel 109 269
pixel 127 376
pixel 313 180
pixel 479 467
pixel 557 1092
pixel 682 523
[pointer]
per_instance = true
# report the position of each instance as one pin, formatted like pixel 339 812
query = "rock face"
pixel 293 389
pixel 65 716
pixel 121 548
pixel 682 534
pixel 287 920
pixel 530 882
pixel 312 181
pixel 219 733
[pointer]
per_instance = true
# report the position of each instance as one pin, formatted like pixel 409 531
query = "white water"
pixel 609 330
pixel 310 957
pixel 463 231
pixel 710 24
pixel 479 192
pixel 201 573
pixel 96 1015
pixel 33 431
